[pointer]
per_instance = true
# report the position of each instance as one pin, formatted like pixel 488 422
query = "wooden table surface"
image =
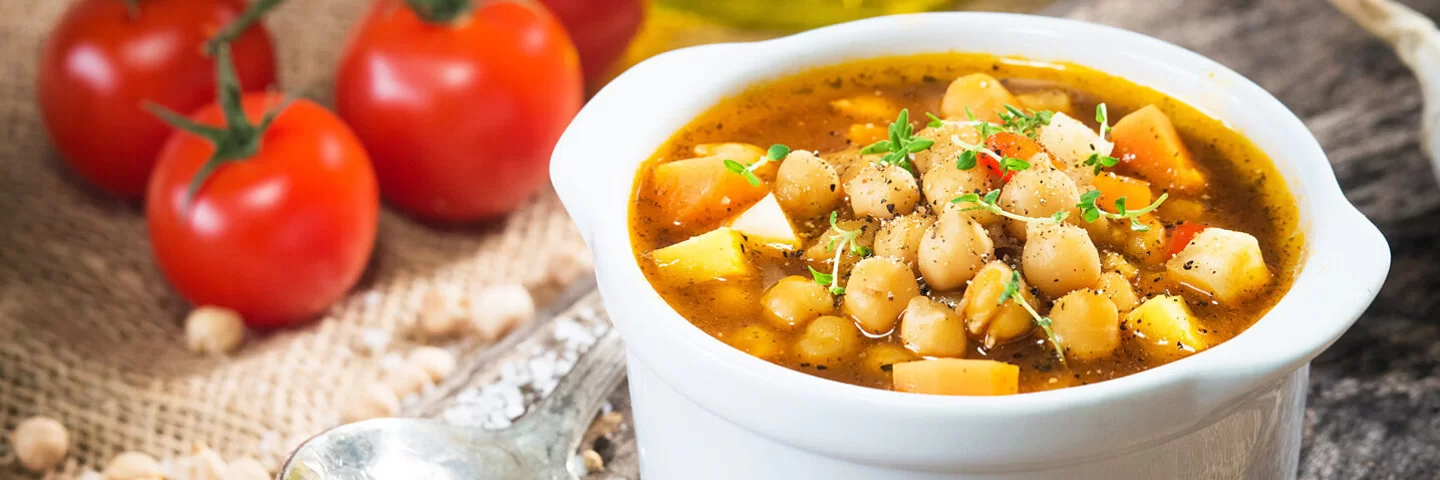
pixel 1374 404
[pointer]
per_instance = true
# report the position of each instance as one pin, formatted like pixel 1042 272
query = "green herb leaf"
pixel 969 197
pixel 1012 163
pixel 988 129
pixel 919 145
pixel 1090 212
pixel 967 160
pixel 1102 115
pixel 1044 116
pixel 1012 288
pixel 1100 161
pixel 861 250
pixel 1060 216
pixel 744 171
pixel 734 166
pixel 935 122
pixel 821 277
pixel 877 147
pixel 777 152
pixel 837 290
pixel 1016 120
pixel 992 197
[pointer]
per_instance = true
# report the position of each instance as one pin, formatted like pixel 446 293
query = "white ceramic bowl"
pixel 704 410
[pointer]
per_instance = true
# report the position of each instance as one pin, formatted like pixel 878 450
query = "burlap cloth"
pixel 90 333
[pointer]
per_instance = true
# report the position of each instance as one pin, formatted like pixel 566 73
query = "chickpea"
pixel 883 191
pixel 201 464
pixel 900 237
pixel 1149 246
pixel 437 362
pixel 1118 290
pixel 246 468
pixel 877 292
pixel 952 250
pixel 213 330
pixel 1059 258
pixel 878 359
pixel 976 94
pixel 40 443
pixel 821 256
pixel 795 300
pixel 941 185
pixel 1107 231
pixel 806 186
pixel 133 466
pixel 408 379
pixel 1114 262
pixel 932 329
pixel 1038 193
pixel 756 340
pixel 849 162
pixel 989 319
pixel 375 400
pixel 944 151
pixel 499 308
pixel 1086 325
pixel 828 340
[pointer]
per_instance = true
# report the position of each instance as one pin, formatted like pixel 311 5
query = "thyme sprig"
pixel 838 243
pixel 776 153
pixel 1012 292
pixel 1090 212
pixel 989 203
pixel 901 144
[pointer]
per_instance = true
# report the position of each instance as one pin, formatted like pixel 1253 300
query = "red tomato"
pixel 103 62
pixel 1013 145
pixel 1182 235
pixel 459 118
pixel 278 237
pixel 601 29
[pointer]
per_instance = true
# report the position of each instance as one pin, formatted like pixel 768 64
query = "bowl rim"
pixel 1342 246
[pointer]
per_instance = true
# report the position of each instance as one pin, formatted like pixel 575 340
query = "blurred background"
pixel 97 338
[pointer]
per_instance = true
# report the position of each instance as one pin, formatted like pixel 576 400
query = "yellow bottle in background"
pixel 672 24
pixel 796 15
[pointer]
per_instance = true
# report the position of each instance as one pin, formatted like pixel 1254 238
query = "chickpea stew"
pixel 964 224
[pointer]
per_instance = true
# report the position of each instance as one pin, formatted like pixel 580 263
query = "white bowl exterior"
pixel 594 166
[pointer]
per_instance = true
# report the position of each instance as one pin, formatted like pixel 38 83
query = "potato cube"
pixel 1072 142
pixel 766 225
pixel 956 376
pixel 756 340
pixel 714 255
pixel 1165 327
pixel 866 107
pixel 1224 263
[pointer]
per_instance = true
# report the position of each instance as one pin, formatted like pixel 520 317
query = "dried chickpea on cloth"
pixel 95 339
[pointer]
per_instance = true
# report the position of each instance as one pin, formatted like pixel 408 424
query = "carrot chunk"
pixel 957 376
pixel 1147 144
pixel 699 191
pixel 1112 187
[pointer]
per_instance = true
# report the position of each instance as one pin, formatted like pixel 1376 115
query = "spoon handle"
pixel 563 416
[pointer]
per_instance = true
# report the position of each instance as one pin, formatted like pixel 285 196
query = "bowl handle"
pixel 1352 259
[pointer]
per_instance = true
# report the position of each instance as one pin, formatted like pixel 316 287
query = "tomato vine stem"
pixel 238 139
pixel 440 11
pixel 239 25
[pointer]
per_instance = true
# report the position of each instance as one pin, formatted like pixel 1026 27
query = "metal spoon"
pixel 538 446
